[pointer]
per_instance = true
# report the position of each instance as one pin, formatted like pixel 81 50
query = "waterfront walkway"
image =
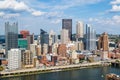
pixel 51 68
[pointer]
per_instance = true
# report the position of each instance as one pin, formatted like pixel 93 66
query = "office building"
pixel 22 43
pixel 14 59
pixel 25 33
pixel 90 38
pixel 11 36
pixel 45 49
pixel 62 50
pixel 44 39
pixel 79 30
pixel 79 45
pixel 33 49
pixel 64 36
pixel 30 40
pixel 67 24
pixel 52 38
pixel 103 42
pixel 38 50
pixel 27 59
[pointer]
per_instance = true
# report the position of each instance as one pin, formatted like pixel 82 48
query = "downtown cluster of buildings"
pixel 24 51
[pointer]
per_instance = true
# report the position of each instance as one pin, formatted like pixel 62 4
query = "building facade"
pixel 14 59
pixel 44 39
pixel 11 36
pixel 103 42
pixel 25 33
pixel 79 30
pixel 62 50
pixel 27 59
pixel 22 43
pixel 64 36
pixel 90 38
pixel 52 38
pixel 30 40
pixel 67 24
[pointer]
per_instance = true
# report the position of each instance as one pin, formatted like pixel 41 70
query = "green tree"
pixel 1 68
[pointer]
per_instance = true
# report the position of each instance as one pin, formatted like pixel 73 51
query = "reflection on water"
pixel 83 74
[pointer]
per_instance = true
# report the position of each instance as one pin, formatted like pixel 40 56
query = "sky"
pixel 33 15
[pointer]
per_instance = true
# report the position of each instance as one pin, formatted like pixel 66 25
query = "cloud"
pixel 56 21
pixel 38 13
pixel 110 25
pixel 115 20
pixel 2 13
pixel 64 4
pixel 115 2
pixel 14 6
pixel 115 8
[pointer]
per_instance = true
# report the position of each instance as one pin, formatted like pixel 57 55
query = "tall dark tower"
pixel 67 24
pixel 44 39
pixel 11 36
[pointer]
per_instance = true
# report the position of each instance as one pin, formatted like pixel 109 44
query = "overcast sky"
pixel 103 15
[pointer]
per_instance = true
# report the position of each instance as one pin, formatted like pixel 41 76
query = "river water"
pixel 82 74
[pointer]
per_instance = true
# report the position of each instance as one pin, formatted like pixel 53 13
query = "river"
pixel 82 74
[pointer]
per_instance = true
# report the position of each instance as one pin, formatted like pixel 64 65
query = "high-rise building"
pixel 79 30
pixel 38 50
pixel 67 24
pixel 30 40
pixel 52 38
pixel 64 36
pixel 103 42
pixel 25 33
pixel 44 39
pixel 33 49
pixel 11 36
pixel 14 59
pixel 90 38
pixel 45 49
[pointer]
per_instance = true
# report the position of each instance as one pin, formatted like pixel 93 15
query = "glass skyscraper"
pixel 90 38
pixel 11 36
pixel 44 39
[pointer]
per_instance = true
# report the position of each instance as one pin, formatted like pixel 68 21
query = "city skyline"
pixel 33 15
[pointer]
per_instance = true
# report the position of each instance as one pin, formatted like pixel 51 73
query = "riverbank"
pixel 32 71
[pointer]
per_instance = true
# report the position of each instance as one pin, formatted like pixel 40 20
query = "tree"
pixel 1 68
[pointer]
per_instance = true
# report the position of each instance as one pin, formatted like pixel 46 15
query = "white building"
pixel 64 36
pixel 80 29
pixel 52 38
pixel 33 49
pixel 14 59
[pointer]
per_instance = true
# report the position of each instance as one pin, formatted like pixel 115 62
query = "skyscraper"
pixel 67 24
pixel 44 39
pixel 90 38
pixel 30 40
pixel 79 30
pixel 103 42
pixel 52 38
pixel 64 36
pixel 11 36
